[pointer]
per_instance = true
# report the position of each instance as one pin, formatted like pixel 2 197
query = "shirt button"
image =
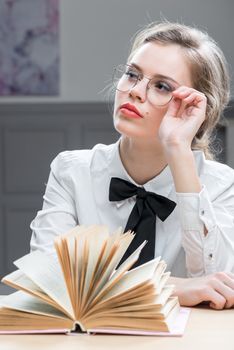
pixel 210 256
pixel 202 212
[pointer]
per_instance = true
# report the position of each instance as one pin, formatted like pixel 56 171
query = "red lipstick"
pixel 130 111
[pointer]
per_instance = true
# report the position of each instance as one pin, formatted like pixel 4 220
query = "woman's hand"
pixel 186 112
pixel 217 289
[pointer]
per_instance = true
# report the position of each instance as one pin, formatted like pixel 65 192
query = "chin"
pixel 131 131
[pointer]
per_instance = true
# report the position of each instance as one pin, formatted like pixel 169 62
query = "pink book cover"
pixel 177 329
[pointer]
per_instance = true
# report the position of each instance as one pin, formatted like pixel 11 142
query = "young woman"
pixel 159 179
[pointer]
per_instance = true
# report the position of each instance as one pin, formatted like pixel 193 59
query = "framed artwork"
pixel 29 47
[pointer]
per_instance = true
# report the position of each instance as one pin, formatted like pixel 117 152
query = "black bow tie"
pixel 142 219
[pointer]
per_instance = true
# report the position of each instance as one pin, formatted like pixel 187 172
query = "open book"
pixel 78 288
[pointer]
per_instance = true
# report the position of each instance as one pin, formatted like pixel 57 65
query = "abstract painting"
pixel 29 47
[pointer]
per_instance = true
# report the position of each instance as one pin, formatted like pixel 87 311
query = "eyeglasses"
pixel 126 77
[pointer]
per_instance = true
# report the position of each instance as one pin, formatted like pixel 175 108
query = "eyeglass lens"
pixel 126 77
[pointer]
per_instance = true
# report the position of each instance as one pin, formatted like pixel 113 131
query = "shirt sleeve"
pixel 58 213
pixel 214 251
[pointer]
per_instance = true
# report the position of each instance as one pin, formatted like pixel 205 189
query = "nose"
pixel 139 91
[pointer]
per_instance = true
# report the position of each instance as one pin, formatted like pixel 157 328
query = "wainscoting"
pixel 31 135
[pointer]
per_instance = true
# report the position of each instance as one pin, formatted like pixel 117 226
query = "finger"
pixel 174 107
pixel 183 89
pixel 189 110
pixel 227 278
pixel 224 289
pixel 217 301
pixel 195 98
pixel 229 304
pixel 184 92
pixel 191 98
pixel 230 274
pixel 229 295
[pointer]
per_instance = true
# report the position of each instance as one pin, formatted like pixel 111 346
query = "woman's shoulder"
pixel 218 170
pixel 215 173
pixel 80 158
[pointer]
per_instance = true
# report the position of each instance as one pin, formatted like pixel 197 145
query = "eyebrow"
pixel 156 75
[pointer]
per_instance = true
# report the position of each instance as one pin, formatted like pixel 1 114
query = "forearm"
pixel 185 291
pixel 211 252
pixel 177 282
pixel 183 168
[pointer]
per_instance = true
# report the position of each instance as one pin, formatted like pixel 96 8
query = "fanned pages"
pixel 81 288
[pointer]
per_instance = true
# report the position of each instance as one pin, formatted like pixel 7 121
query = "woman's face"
pixel 152 59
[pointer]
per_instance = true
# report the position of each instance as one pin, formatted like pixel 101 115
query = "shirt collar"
pixel 162 184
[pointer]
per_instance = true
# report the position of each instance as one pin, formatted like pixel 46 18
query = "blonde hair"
pixel 208 68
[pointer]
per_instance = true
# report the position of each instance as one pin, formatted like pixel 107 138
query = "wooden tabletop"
pixel 207 329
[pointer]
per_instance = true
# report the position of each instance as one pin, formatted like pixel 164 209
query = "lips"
pixel 131 108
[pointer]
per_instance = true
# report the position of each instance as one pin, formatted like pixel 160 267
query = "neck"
pixel 142 159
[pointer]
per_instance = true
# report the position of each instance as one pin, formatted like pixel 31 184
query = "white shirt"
pixel 77 192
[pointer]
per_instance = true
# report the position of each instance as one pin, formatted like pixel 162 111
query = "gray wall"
pixel 104 28
pixel 95 36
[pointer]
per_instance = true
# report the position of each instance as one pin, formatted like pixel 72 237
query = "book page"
pixel 19 280
pixel 176 327
pixel 78 251
pixel 116 276
pixel 171 303
pixel 162 282
pixel 160 320
pixel 97 240
pixel 27 303
pixel 147 302
pixel 112 255
pixel 96 243
pixel 105 256
pixel 45 271
pixel 141 295
pixel 160 278
pixel 132 278
pixel 99 254
pixel 62 249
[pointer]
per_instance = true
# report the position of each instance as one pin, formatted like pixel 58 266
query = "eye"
pixel 132 74
pixel 162 86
